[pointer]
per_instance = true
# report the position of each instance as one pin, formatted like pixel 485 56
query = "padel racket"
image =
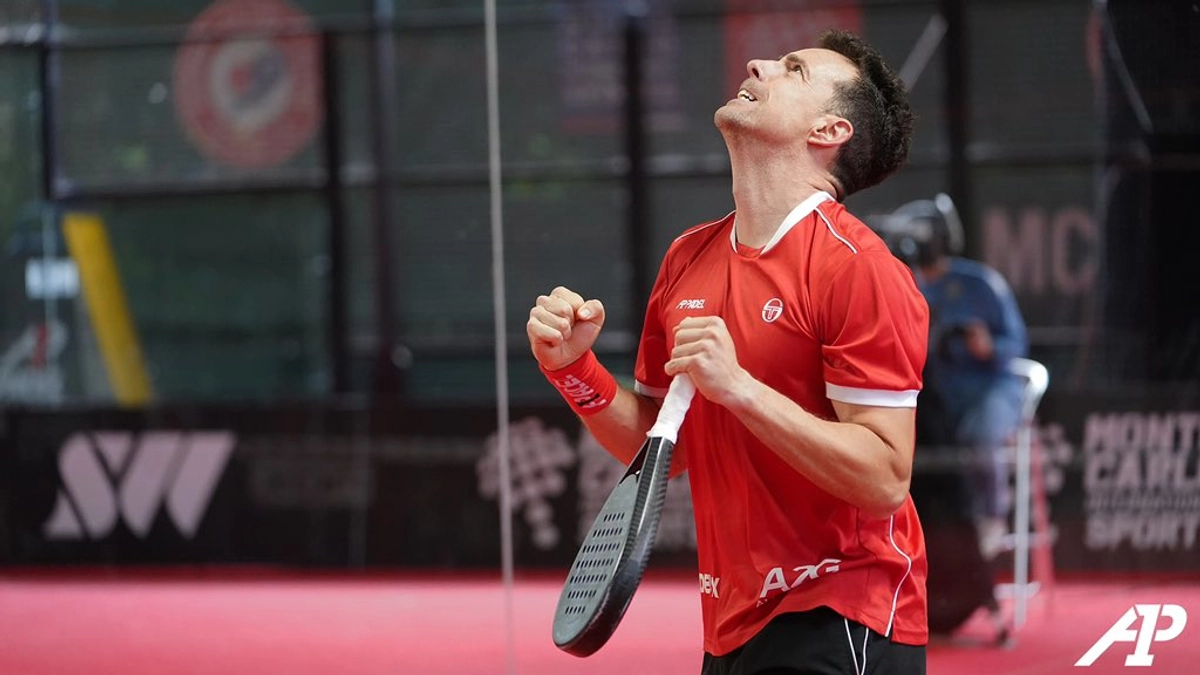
pixel 613 556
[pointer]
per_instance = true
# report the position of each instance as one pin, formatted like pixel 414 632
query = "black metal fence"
pixel 325 231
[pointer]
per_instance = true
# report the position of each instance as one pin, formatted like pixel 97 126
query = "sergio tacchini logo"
pixel 772 310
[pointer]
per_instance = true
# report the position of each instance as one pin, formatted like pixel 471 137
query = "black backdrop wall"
pixel 1151 168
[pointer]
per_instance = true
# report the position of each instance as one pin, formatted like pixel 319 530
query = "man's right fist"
pixel 562 327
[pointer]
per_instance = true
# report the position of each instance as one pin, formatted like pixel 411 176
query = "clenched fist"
pixel 562 327
pixel 705 351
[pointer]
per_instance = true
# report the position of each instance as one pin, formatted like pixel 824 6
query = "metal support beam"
pixel 335 207
pixel 385 376
pixel 957 104
pixel 636 151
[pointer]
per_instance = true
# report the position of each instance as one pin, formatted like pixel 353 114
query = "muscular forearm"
pixel 621 427
pixel 849 460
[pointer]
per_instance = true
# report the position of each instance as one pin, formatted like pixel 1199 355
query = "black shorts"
pixel 817 642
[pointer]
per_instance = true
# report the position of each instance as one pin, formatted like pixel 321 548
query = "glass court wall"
pixel 294 196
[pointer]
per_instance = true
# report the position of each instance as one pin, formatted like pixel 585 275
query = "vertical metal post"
pixel 957 104
pixel 640 249
pixel 385 374
pixel 335 207
pixel 48 82
pixel 338 326
pixel 1021 586
pixel 500 311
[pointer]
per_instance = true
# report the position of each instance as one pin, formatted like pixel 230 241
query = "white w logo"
pixel 106 476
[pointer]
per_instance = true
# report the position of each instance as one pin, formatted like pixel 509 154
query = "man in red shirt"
pixel 805 338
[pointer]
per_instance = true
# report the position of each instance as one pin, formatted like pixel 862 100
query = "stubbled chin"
pixel 728 116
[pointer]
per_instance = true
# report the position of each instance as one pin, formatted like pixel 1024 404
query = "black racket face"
pixel 596 563
pixel 613 556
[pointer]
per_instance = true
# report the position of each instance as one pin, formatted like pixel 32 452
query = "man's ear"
pixel 831 131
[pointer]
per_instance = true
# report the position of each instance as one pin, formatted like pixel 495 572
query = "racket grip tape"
pixel 674 408
pixel 586 384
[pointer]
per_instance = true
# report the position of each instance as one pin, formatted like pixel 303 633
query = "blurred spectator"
pixel 970 401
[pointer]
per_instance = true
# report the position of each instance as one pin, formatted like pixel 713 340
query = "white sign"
pixel 112 476
pixel 51 279
pixel 1141 480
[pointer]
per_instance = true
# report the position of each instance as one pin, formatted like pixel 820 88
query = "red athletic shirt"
pixel 823 311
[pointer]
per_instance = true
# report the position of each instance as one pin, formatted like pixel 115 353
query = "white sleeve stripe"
pixel 646 390
pixel 834 232
pixel 878 397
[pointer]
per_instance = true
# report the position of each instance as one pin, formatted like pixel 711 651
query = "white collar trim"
pixel 802 211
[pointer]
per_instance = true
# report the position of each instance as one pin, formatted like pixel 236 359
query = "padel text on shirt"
pixel 823 311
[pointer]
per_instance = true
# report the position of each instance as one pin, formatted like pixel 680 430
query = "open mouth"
pixel 746 96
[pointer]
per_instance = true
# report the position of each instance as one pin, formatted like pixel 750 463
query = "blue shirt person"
pixel 976 329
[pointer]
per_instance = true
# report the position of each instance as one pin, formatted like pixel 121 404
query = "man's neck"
pixel 766 187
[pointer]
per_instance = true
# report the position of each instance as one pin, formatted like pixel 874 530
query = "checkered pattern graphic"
pixel 541 458
pixel 538 460
pixel 599 472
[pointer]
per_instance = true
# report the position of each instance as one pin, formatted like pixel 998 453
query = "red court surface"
pixel 181 622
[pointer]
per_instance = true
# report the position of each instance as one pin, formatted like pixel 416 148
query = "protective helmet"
pixel 922 231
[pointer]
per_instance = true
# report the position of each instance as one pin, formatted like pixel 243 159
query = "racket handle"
pixel 674 408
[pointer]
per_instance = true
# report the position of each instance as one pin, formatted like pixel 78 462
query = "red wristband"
pixel 587 385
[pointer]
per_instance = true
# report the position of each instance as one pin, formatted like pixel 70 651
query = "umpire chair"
pixel 1029 499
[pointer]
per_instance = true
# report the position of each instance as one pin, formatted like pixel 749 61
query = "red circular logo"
pixel 246 82
pixel 772 310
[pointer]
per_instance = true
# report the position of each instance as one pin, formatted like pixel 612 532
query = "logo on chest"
pixel 772 310
pixel 691 303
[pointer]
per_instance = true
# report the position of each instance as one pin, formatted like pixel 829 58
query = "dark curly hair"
pixel 876 103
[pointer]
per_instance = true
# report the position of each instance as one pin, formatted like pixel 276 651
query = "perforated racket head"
pixel 614 554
